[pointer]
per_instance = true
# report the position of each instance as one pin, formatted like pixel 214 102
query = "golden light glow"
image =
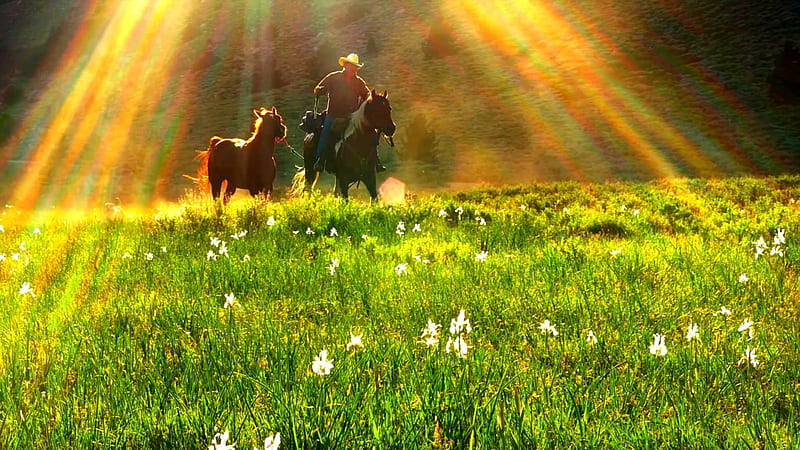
pixel 541 90
pixel 114 73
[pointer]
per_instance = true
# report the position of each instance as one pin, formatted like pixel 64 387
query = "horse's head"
pixel 378 112
pixel 269 122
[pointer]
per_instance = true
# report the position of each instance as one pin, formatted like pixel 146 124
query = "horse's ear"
pixel 275 110
pixel 256 113
pixel 373 93
pixel 386 94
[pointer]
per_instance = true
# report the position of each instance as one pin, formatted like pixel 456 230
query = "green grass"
pixel 125 351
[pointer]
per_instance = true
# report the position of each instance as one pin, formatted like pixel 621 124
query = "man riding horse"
pixel 346 90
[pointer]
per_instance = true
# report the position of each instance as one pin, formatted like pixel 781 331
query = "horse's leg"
pixel 343 188
pixel 371 183
pixel 216 187
pixel 230 189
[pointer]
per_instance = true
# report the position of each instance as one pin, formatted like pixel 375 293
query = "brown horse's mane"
pixel 256 128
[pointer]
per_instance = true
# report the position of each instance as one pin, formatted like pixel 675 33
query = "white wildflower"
pixel 657 347
pixel 692 332
pixel 460 325
pixel 746 325
pixel 271 442
pixel 148 256
pixel 322 365
pixel 400 229
pixel 780 237
pixel 333 232
pixel 127 255
pixel 220 442
pixel 442 213
pixel 419 258
pixel 401 269
pixel 458 346
pixel 481 257
pixel 547 327
pixel 230 301
pixel 211 255
pixel 750 358
pixel 743 278
pixel 760 246
pixel 215 241
pixel 270 221
pixel 309 231
pixel 616 252
pixel 333 265
pixel 430 334
pixel 591 338
pixel 723 311
pixel 417 228
pixel 355 341
pixel 481 221
pixel 26 289
pixel 37 231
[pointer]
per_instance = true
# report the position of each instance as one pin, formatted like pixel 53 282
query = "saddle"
pixel 312 122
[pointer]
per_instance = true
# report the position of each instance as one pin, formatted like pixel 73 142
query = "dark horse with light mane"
pixel 356 156
pixel 246 164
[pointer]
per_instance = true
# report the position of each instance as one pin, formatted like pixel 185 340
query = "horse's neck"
pixel 358 123
pixel 262 141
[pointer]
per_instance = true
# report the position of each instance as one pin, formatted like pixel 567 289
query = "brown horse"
pixel 246 164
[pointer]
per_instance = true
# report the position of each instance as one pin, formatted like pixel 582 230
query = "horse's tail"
pixel 298 182
pixel 201 178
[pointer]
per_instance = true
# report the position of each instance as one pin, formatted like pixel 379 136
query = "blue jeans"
pixel 325 135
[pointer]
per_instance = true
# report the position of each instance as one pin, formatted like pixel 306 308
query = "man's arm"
pixel 322 87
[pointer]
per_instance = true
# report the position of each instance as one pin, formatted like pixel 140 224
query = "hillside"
pixel 483 92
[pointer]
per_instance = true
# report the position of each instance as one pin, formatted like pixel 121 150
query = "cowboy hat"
pixel 352 58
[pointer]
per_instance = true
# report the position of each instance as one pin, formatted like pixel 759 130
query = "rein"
pixel 291 149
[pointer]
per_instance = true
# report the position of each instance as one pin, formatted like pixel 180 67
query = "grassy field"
pixel 162 328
